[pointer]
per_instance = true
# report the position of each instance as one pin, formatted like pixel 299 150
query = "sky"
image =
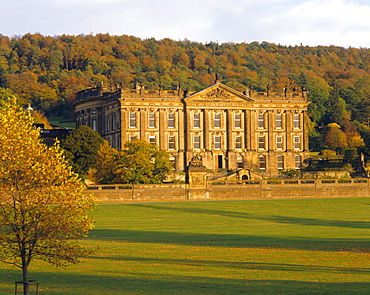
pixel 343 23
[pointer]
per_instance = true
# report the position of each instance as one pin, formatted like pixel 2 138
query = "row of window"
pixel 279 145
pixel 217 142
pixel 216 120
pixel 280 162
pixel 261 121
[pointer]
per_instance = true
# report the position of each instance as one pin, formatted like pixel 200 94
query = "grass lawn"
pixel 62 122
pixel 242 247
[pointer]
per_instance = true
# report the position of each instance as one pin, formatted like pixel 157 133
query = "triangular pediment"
pixel 218 93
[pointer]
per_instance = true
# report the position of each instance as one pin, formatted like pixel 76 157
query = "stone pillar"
pixel 142 123
pixel 162 128
pixel 197 173
pixel 206 123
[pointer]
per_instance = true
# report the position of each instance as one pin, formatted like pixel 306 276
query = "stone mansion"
pixel 259 131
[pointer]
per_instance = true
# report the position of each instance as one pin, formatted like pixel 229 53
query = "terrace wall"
pixel 264 189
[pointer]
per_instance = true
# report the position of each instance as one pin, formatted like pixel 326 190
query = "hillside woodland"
pixel 47 71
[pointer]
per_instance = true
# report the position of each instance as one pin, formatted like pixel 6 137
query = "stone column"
pixel 142 123
pixel 162 128
pixel 206 122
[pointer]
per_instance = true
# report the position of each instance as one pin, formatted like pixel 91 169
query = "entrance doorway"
pixel 219 162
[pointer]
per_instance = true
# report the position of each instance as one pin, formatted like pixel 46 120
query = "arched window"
pixel 262 162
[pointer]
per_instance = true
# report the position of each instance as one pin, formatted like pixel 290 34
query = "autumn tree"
pixel 43 207
pixel 335 138
pixel 142 162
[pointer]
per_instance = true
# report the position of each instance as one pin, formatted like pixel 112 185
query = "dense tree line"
pixel 47 71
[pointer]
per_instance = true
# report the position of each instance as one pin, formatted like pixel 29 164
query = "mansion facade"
pixel 259 131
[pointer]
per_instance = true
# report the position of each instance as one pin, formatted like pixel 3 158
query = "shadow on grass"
pixel 230 240
pixel 286 267
pixel 111 283
pixel 276 219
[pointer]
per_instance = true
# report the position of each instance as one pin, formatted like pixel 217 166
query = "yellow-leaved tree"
pixel 43 207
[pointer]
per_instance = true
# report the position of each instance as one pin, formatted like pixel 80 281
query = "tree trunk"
pixel 26 286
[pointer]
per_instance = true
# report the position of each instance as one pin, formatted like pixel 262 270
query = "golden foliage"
pixel 43 207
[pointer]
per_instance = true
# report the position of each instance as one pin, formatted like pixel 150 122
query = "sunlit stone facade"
pixel 260 131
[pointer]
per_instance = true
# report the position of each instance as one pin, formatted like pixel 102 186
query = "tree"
pixel 336 139
pixel 81 147
pixel 105 167
pixel 43 208
pixel 142 162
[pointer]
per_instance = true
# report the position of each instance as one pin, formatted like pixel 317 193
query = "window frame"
pixel 171 142
pixel 196 142
pixel 171 121
pixel 262 164
pixel 279 144
pixel 132 120
pixel 296 121
pixel 238 120
pixel 238 142
pixel 280 162
pixel 298 162
pixel 296 142
pixel 217 120
pixel 196 120
pixel 261 142
pixel 150 139
pixel 261 121
pixel 151 120
pixel 279 121
pixel 217 142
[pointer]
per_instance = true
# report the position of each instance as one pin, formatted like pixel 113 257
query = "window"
pixel 108 123
pixel 171 120
pixel 217 142
pixel 152 140
pixel 173 162
pixel 262 162
pixel 171 142
pixel 296 121
pixel 93 124
pixel 133 137
pixel 297 142
pixel 237 120
pixel 238 142
pixel 151 120
pixel 280 162
pixel 217 120
pixel 239 161
pixel 261 142
pixel 113 121
pixel 196 120
pixel 279 142
pixel 261 121
pixel 132 122
pixel 118 121
pixel 278 121
pixel 196 140
pixel 297 161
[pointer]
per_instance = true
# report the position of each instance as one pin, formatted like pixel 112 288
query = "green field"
pixel 295 247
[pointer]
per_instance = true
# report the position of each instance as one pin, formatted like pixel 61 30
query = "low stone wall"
pixel 264 189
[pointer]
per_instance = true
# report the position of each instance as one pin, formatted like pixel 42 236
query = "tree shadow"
pixel 231 240
pixel 126 282
pixel 274 218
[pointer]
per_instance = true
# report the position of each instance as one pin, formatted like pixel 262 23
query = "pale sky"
pixel 286 22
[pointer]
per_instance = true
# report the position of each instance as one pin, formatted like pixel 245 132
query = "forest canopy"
pixel 47 71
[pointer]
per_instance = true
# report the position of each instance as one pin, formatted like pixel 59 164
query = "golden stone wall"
pixel 264 132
